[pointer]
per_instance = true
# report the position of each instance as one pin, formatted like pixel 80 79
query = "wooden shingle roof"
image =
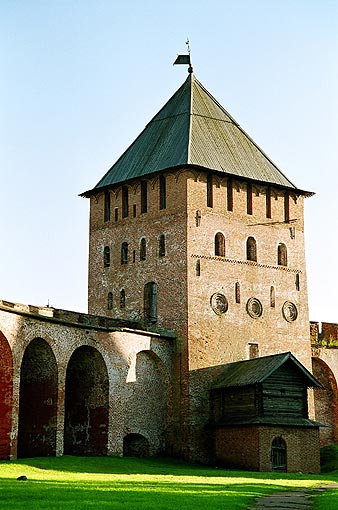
pixel 257 370
pixel 193 129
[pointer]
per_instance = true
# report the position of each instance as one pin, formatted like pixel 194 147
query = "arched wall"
pixel 148 401
pixel 326 403
pixel 6 397
pixel 38 401
pixel 86 403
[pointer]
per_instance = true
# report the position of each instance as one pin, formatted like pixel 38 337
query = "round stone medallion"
pixel 219 303
pixel 290 312
pixel 254 308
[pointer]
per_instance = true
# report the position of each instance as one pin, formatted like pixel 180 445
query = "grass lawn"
pixel 130 483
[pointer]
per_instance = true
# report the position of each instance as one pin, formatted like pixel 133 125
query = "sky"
pixel 79 80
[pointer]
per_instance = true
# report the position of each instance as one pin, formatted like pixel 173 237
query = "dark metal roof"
pixel 278 420
pixel 253 371
pixel 193 129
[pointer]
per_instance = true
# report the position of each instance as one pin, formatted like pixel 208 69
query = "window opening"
pixel 209 190
pixel 161 248
pixel 268 202
pixel 110 301
pixel 116 213
pixel 124 253
pixel 282 255
pixel 219 245
pixel 150 302
pixel 286 207
pixel 272 297
pixel 134 210
pixel 144 196
pixel 163 192
pixel 122 298
pixel 125 202
pixel 249 198
pixel 237 292
pixel 106 256
pixel 198 267
pixel 230 195
pixel 106 206
pixel 251 249
pixel 297 282
pixel 143 249
pixel 253 351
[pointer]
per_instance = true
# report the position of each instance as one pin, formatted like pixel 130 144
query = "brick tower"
pixel 195 229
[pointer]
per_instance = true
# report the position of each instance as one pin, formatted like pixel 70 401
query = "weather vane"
pixel 185 59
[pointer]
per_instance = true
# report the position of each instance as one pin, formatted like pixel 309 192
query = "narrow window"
pixel 198 268
pixel 144 196
pixel 163 192
pixel 209 190
pixel 124 253
pixel 106 206
pixel 251 249
pixel 282 255
pixel 134 255
pixel 134 210
pixel 106 256
pixel 122 298
pixel 237 292
pixel 249 198
pixel 143 249
pixel 219 245
pixel 125 202
pixel 272 297
pixel 253 351
pixel 268 202
pixel 150 303
pixel 161 247
pixel 230 195
pixel 110 301
pixel 116 214
pixel 286 207
pixel 297 282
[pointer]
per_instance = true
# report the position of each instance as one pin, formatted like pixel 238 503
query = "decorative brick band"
pixel 247 262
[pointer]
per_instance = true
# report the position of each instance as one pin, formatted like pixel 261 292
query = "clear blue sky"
pixel 80 79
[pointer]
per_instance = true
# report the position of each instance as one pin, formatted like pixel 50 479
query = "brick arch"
pixel 38 401
pixel 6 396
pixel 86 403
pixel 149 401
pixel 326 403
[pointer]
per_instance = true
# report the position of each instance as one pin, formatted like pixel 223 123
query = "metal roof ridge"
pixel 192 78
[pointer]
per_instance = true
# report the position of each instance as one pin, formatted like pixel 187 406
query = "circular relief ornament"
pixel 254 308
pixel 219 303
pixel 290 312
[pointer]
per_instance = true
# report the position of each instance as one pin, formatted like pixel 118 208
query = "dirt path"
pixel 296 499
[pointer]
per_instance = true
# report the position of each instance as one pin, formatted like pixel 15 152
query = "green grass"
pixel 130 483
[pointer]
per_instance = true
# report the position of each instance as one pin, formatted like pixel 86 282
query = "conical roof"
pixel 193 129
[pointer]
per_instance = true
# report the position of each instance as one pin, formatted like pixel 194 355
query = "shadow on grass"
pixel 146 466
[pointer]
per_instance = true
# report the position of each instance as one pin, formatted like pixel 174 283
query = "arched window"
pixel 278 454
pixel 282 255
pixel 161 246
pixel 144 196
pixel 251 249
pixel 272 297
pixel 124 253
pixel 219 245
pixel 150 302
pixel 237 292
pixel 198 268
pixel 143 249
pixel 106 256
pixel 110 301
pixel 106 206
pixel 209 190
pixel 122 298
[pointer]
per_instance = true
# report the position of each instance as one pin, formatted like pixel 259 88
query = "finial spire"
pixel 185 59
